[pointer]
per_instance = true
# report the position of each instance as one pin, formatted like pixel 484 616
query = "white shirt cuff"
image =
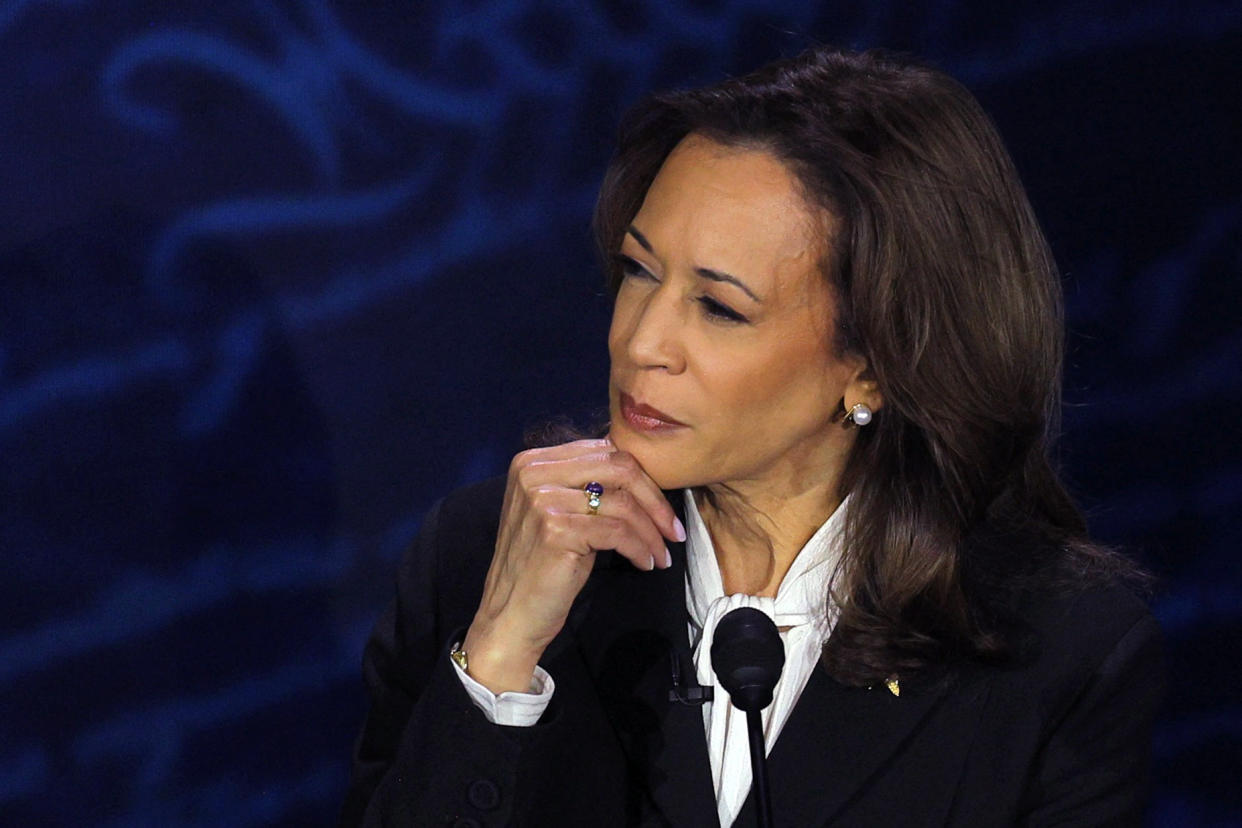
pixel 511 708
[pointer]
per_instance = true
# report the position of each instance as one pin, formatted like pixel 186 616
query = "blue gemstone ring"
pixel 594 491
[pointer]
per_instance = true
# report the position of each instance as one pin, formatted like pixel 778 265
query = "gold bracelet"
pixel 459 656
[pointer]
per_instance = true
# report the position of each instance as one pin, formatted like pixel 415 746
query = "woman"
pixel 836 350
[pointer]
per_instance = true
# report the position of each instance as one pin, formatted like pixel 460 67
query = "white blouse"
pixel 800 605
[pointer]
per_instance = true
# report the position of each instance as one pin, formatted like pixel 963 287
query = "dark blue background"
pixel 275 275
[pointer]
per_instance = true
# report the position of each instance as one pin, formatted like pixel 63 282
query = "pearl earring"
pixel 859 415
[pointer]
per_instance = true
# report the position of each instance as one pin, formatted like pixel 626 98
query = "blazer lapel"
pixel 835 740
pixel 636 622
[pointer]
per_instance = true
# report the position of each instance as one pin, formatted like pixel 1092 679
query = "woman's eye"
pixel 718 311
pixel 631 269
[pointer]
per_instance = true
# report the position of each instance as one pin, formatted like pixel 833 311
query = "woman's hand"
pixel 546 547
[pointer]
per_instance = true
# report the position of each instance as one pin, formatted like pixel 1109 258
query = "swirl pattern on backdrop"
pixel 277 274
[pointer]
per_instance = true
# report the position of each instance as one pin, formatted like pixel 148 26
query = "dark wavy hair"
pixel 945 284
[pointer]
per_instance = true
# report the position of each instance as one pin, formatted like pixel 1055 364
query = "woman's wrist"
pixel 499 665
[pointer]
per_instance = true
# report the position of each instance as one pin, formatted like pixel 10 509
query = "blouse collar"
pixel 802 594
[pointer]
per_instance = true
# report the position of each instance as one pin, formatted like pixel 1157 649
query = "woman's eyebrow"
pixel 720 276
pixel 706 273
pixel 641 239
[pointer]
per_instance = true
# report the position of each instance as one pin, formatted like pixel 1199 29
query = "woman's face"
pixel 722 366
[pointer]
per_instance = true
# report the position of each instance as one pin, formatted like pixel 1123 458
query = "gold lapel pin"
pixel 893 686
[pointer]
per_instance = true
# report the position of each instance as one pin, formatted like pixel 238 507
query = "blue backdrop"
pixel 275 275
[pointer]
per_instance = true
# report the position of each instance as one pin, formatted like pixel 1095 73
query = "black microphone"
pixel 685 691
pixel 747 657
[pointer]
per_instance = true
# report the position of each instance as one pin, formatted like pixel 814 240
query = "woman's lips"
pixel 645 418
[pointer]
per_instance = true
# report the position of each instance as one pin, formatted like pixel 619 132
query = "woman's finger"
pixel 614 470
pixel 635 480
pixel 611 532
pixel 564 451
pixel 642 543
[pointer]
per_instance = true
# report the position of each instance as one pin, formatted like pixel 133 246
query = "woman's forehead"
pixel 738 209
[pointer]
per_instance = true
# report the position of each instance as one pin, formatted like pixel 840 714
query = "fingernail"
pixel 679 531
pixel 652 567
pixel 668 558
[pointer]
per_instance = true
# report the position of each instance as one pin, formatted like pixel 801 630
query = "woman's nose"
pixel 656 336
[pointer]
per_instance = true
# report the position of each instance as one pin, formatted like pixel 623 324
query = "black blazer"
pixel 1062 739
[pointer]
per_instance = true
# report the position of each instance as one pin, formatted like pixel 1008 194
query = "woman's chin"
pixel 664 469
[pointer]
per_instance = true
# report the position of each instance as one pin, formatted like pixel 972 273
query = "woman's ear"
pixel 860 398
pixel 863 388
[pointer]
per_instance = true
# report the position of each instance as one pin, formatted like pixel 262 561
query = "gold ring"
pixel 594 491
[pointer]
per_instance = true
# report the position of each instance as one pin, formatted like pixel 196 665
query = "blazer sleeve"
pixel 426 754
pixel 1093 769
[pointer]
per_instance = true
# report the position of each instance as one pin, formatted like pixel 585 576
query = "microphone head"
pixel 747 657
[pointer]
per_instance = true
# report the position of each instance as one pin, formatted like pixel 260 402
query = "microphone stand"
pixel 759 767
